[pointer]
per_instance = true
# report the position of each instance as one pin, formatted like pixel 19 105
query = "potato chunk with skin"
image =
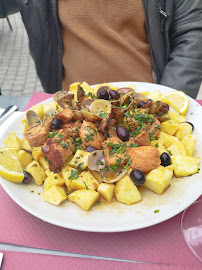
pixel 189 144
pixel 184 165
pixel 53 179
pixel 84 198
pixel 144 158
pixel 126 192
pixel 55 195
pixel 106 191
pixel 177 149
pixel 169 127
pixel 90 135
pixel 80 157
pixel 24 158
pixel 13 141
pixel 85 181
pixel 37 172
pixel 158 179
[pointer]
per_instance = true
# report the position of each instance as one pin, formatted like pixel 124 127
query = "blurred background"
pixel 17 71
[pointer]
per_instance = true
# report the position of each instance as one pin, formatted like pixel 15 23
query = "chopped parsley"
pixel 102 114
pixel 156 211
pixel 65 145
pixel 91 95
pixel 51 134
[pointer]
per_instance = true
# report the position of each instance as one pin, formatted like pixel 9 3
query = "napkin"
pixel 24 261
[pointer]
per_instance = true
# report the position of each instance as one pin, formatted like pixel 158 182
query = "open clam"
pixel 50 114
pixel 85 104
pixel 96 163
pixel 63 98
pixel 80 94
pixel 112 177
pixel 32 118
pixel 101 107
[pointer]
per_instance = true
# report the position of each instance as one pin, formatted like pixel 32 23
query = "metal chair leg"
pixel 8 21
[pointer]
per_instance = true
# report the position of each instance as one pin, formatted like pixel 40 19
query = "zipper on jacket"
pixel 165 16
pixel 154 68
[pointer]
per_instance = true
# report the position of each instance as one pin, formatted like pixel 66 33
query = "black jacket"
pixel 175 37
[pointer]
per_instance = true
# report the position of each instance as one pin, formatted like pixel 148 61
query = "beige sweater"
pixel 104 41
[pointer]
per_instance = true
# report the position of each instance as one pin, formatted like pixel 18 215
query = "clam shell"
pixel 112 177
pixel 32 118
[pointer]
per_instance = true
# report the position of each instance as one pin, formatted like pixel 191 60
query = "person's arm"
pixel 8 7
pixel 184 68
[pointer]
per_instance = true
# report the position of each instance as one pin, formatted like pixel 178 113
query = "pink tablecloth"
pixel 162 243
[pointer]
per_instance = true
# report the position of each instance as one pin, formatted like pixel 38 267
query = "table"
pixel 19 101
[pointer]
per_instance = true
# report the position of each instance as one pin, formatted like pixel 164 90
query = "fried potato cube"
pixel 37 153
pixel 38 109
pixel 73 89
pixel 37 172
pixel 24 158
pixel 48 106
pixel 85 180
pixel 169 127
pixel 53 179
pixel 158 179
pixel 155 96
pixel 80 157
pixel 87 89
pixel 157 143
pixel 66 172
pixel 25 145
pixel 184 165
pixel 184 129
pixel 55 195
pixel 146 93
pixel 106 191
pixel 167 139
pixel 189 144
pixel 177 149
pixel 170 167
pixel 84 198
pixel 126 192
pixel 44 163
pixel 162 149
pixel 178 117
pixel 13 141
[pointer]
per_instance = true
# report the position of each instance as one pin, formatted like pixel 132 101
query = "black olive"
pixel 123 133
pixel 56 123
pixel 148 101
pixel 90 149
pixel 103 94
pixel 165 159
pixel 137 177
pixel 191 125
pixel 27 177
pixel 114 94
pixel 140 103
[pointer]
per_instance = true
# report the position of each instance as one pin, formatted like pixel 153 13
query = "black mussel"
pixel 137 177
pixel 165 159
pixel 123 133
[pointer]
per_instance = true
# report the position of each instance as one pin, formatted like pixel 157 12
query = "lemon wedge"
pixel 178 100
pixel 10 167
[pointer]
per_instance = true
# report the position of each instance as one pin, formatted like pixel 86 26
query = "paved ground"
pixel 17 71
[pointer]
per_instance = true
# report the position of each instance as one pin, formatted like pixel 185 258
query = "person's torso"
pixel 104 41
